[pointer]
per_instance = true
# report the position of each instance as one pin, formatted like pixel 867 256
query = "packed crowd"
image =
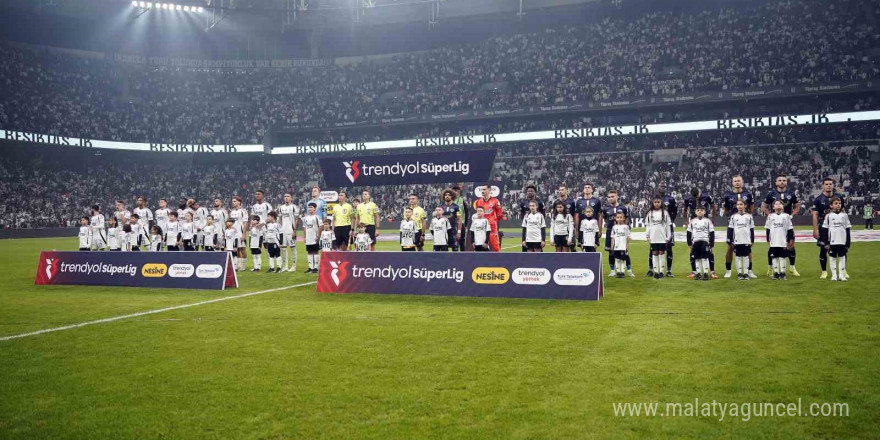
pixel 781 42
pixel 52 186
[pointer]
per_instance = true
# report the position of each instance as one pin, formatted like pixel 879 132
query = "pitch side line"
pixel 150 312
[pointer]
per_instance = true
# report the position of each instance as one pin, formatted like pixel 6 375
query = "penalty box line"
pixel 149 312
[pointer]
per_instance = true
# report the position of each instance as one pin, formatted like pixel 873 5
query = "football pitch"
pixel 293 363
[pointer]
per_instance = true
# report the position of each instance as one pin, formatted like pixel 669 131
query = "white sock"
pixel 654 263
pixel 272 263
pixel 257 262
pixel 283 258
pixel 782 263
pixel 739 265
pixel 662 260
pixel 236 262
pixel 705 265
pixel 832 263
pixel 293 250
pixel 699 265
pixel 776 266
pixel 841 265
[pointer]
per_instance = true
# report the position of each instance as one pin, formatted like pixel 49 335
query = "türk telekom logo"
pixel 352 172
pixel 340 270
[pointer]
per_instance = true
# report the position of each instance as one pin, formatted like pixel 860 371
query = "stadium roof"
pixel 306 14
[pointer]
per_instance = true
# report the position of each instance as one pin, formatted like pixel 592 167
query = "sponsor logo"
pixel 51 267
pixel 494 191
pixel 339 272
pixel 394 273
pixel 490 275
pixel 329 196
pixel 355 169
pixel 351 170
pixel 181 270
pixel 209 271
pixel 154 270
pixel 532 276
pixel 573 277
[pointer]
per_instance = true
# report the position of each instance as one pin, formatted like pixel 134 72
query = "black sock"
pixel 792 256
pixel 693 263
pixel 712 262
pixel 823 259
pixel 650 260
pixel 769 259
pixel 727 265
pixel 750 265
pixel 669 258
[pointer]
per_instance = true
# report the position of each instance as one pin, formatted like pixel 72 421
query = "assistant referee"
pixel 342 213
pixel 368 216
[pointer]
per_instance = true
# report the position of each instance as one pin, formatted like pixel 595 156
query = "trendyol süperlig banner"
pixel 475 139
pixel 406 169
pixel 576 275
pixel 180 270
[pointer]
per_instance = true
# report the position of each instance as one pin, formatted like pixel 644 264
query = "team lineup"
pixel 457 226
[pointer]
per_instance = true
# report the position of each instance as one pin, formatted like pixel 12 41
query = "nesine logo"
pixel 339 272
pixel 154 270
pixel 490 275
pixel 352 171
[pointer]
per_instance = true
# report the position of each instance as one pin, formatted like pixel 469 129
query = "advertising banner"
pixel 178 270
pixel 406 169
pixel 481 274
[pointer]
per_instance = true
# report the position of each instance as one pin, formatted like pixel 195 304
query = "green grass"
pixel 298 364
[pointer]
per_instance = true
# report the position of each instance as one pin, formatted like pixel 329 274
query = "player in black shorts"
pixel 671 207
pixel 699 200
pixel 821 208
pixel 729 204
pixel 531 196
pixel 791 206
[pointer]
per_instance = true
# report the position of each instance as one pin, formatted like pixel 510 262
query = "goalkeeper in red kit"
pixel 492 208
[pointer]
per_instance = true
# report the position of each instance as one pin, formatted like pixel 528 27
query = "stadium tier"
pixel 52 186
pixel 750 46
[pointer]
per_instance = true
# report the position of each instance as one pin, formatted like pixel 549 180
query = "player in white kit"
pixel 99 235
pixel 220 215
pixel 658 228
pixel 440 228
pixel 161 215
pixel 780 237
pixel 311 225
pixel 837 238
pixel 288 213
pixel 240 217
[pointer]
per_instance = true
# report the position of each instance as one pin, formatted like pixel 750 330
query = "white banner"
pixel 49 139
pixel 578 133
pixel 476 140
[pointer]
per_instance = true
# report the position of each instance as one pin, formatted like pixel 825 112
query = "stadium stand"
pixel 50 186
pixel 661 53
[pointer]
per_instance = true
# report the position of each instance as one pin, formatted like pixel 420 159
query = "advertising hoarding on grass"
pixel 548 275
pixel 177 270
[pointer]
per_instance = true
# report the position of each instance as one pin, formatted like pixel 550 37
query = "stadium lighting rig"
pixel 166 7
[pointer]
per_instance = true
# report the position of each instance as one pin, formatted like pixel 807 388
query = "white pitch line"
pixel 149 312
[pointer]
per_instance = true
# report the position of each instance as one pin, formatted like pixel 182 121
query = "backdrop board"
pixel 481 274
pixel 407 169
pixel 178 270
